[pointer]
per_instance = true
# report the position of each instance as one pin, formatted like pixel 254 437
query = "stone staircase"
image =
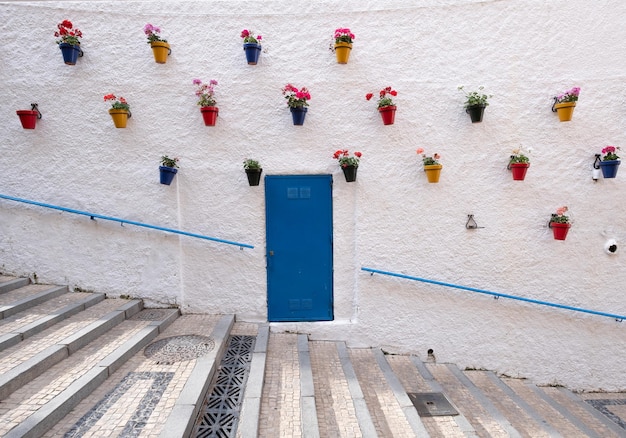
pixel 76 364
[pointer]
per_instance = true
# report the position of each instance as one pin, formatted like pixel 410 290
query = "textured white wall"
pixel 390 219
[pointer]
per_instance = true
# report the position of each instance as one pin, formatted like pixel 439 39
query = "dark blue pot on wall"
pixel 609 168
pixel 298 115
pixel 253 51
pixel 167 174
pixel 70 53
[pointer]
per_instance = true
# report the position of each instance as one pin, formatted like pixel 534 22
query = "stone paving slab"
pixel 139 397
pixel 335 410
pixel 385 410
pixel 8 283
pixel 412 381
pixel 280 403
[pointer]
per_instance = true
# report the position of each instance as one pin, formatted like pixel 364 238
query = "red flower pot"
pixel 518 170
pixel 559 230
pixel 28 118
pixel 209 113
pixel 388 113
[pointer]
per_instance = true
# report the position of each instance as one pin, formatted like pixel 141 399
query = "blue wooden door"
pixel 298 213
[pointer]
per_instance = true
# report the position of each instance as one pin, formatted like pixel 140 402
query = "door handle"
pixel 271 253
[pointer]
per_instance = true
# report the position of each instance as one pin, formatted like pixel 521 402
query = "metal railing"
pixel 497 295
pixel 125 221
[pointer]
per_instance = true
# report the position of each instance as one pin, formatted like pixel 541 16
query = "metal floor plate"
pixel 431 404
pixel 220 414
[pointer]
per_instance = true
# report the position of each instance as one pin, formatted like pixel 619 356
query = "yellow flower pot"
pixel 565 110
pixel 160 50
pixel 120 117
pixel 342 50
pixel 432 172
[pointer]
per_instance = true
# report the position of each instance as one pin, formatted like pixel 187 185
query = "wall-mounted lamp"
pixel 29 117
pixel 471 223
pixel 595 173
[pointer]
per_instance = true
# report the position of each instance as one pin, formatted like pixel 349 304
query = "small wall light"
pixel 595 173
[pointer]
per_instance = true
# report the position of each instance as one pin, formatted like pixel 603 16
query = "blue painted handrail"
pixel 497 295
pixel 124 221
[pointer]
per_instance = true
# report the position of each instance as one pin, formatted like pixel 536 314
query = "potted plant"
pixel 348 164
pixel 564 104
pixel 160 47
pixel 560 223
pixel 253 171
pixel 476 103
pixel 120 110
pixel 69 41
pixel 518 164
pixel 385 105
pixel 206 101
pixel 168 169
pixel 431 165
pixel 251 46
pixel 297 102
pixel 610 162
pixel 29 118
pixel 342 44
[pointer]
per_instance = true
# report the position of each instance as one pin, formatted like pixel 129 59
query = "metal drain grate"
pixel 431 404
pixel 220 413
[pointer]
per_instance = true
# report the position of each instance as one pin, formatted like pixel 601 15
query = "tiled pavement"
pixel 107 368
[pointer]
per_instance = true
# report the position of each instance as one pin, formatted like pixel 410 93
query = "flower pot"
pixel 28 118
pixel 565 110
pixel 559 230
pixel 349 172
pixel 342 51
pixel 167 174
pixel 209 114
pixel 476 112
pixel 432 172
pixel 518 170
pixel 70 53
pixel 254 176
pixel 161 50
pixel 120 117
pixel 253 51
pixel 298 114
pixel 388 113
pixel 609 168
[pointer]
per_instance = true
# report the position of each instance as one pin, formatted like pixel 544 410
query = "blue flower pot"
pixel 253 51
pixel 70 53
pixel 298 115
pixel 609 168
pixel 167 174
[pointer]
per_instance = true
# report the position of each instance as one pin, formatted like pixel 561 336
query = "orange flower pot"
pixel 342 51
pixel 432 172
pixel 565 110
pixel 120 117
pixel 161 50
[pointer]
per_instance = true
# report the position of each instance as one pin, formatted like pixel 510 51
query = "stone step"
pixel 8 283
pixel 159 390
pixel 29 322
pixel 26 360
pixel 104 353
pixel 26 297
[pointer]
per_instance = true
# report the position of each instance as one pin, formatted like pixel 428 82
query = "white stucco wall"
pixel 390 219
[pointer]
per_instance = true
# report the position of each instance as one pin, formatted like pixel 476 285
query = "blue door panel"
pixel 299 247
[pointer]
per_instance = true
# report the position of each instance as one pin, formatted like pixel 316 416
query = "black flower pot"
pixel 350 173
pixel 476 112
pixel 254 176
